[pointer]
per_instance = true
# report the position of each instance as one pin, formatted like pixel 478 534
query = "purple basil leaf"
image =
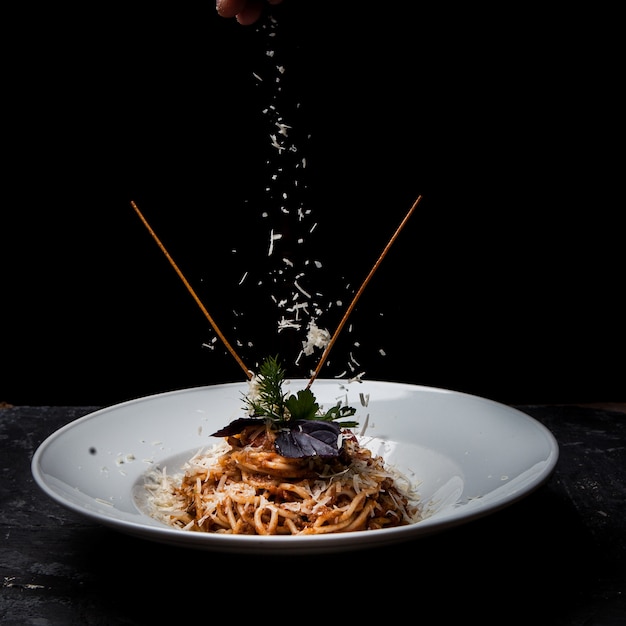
pixel 236 426
pixel 309 438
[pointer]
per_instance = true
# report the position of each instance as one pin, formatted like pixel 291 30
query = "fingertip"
pixel 229 8
pixel 249 14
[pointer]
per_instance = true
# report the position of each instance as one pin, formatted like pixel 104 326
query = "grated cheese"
pixel 285 193
pixel 316 338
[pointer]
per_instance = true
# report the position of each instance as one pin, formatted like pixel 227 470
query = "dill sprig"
pixel 268 399
pixel 282 408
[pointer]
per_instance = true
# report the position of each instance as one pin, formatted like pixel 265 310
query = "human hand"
pixel 245 11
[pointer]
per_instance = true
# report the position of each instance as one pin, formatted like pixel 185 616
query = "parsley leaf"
pixel 303 405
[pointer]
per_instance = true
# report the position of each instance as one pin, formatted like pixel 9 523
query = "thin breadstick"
pixel 192 292
pixel 344 319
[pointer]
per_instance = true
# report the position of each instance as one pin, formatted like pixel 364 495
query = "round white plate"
pixel 469 456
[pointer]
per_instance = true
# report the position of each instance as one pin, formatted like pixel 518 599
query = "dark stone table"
pixel 557 557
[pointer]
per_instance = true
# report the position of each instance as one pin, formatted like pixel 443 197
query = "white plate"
pixel 471 456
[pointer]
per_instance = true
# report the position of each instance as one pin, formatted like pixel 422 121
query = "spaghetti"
pixel 244 486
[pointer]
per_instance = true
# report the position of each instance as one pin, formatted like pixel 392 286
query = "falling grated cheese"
pixel 315 338
pixel 273 237
pixel 297 286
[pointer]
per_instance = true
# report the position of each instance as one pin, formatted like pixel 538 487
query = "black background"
pixel 507 282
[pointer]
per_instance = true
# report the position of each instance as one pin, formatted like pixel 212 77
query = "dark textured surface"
pixel 558 557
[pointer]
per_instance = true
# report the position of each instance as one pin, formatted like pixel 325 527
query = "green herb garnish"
pixel 271 402
pixel 303 430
